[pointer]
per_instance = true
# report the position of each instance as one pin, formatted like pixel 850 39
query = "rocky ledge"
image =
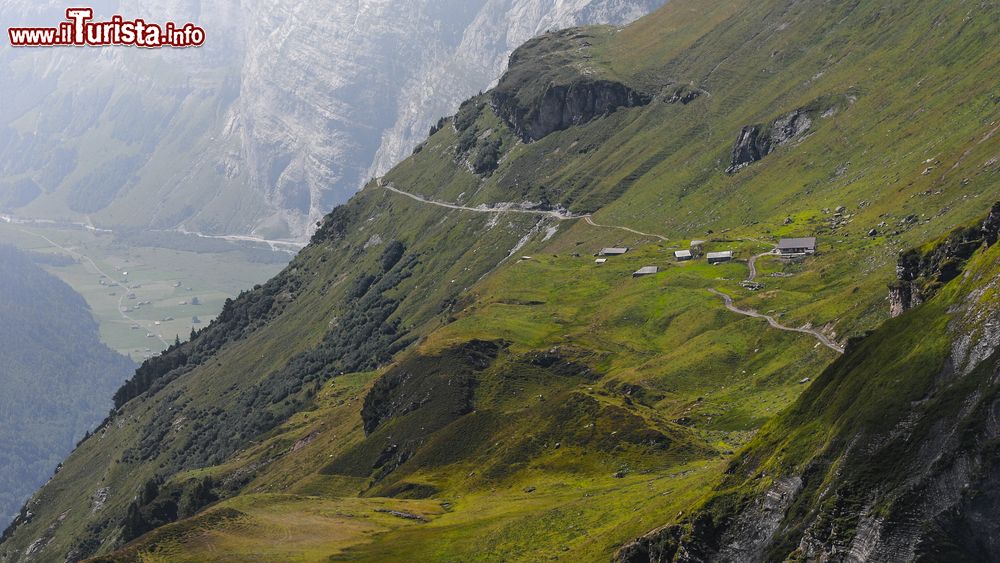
pixel 554 82
pixel 757 141
pixel 920 274
pixel 562 106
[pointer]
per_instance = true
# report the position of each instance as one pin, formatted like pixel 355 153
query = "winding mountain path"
pixel 591 222
pixel 512 208
pixel 823 339
pixel 503 208
pixel 753 264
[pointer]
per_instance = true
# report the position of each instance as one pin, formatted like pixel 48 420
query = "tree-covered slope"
pixel 56 376
pixel 446 374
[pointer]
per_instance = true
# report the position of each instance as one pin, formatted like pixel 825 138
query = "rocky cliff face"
pixel 481 57
pixel 565 105
pixel 288 109
pixel 554 83
pixel 757 141
pixel 991 226
pixel 920 275
pixel 901 298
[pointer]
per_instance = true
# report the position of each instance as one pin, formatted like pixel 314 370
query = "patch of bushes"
pixel 157 505
pixel 487 158
pixel 467 140
pixel 438 126
pixel 469 113
pixel 413 401
pixel 392 255
pixel 334 226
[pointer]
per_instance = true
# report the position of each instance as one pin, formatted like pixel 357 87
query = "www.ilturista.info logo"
pixel 79 30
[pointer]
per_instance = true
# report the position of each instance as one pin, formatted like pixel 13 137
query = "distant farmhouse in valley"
pixel 683 255
pixel 797 246
pixel 613 251
pixel 647 271
pixel 720 257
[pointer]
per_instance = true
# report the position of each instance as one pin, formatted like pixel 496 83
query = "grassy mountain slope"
pixel 479 375
pixel 890 454
pixel 55 375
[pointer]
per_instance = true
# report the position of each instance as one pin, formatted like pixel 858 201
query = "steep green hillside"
pixel 446 374
pixel 56 378
pixel 889 456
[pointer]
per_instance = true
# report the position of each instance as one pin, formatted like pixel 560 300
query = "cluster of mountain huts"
pixel 788 247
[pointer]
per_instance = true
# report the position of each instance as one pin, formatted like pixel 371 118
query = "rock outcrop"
pixel 743 539
pixel 920 275
pixel 447 79
pixel 991 226
pixel 554 84
pixel 683 95
pixel 565 105
pixel 757 141
pixel 901 297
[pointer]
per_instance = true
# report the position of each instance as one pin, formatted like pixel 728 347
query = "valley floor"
pixel 141 314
